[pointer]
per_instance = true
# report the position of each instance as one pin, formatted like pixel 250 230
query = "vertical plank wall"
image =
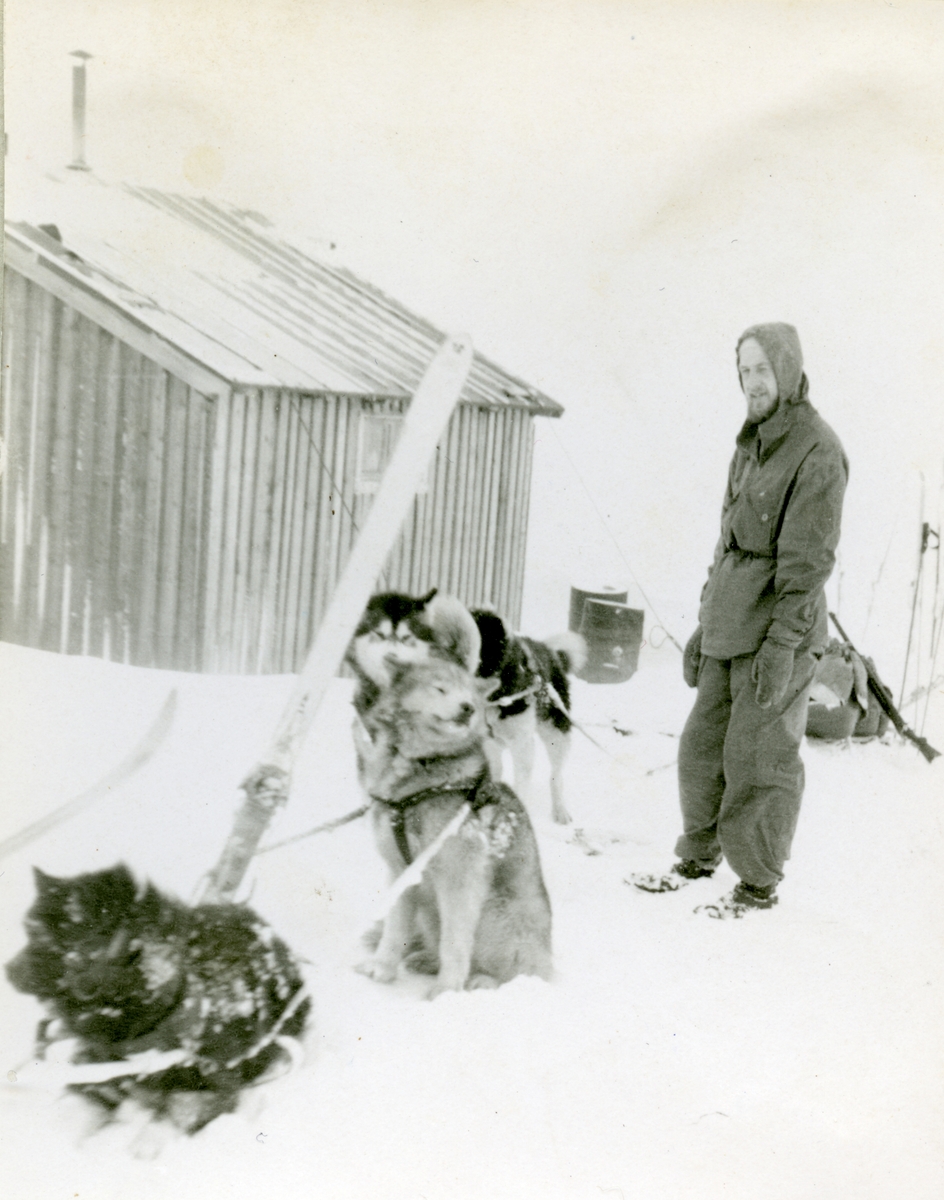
pixel 103 508
pixel 281 526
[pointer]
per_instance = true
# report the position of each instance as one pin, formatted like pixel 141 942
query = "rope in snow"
pixel 552 692
pixel 414 871
pixel 326 828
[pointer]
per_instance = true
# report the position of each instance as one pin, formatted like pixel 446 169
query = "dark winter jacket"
pixel 779 532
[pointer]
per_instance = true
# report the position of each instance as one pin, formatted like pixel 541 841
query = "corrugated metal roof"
pixel 222 285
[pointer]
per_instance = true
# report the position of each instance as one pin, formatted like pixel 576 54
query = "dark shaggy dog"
pixel 124 969
pixel 528 691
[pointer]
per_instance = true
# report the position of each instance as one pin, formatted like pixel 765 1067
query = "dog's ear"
pixel 47 885
pixel 455 631
pixel 494 637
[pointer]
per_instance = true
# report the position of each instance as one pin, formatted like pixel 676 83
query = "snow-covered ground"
pixel 794 1054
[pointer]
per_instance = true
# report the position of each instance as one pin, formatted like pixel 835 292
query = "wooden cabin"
pixel 196 413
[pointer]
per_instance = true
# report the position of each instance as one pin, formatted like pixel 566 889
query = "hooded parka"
pixel 740 773
pixel 779 521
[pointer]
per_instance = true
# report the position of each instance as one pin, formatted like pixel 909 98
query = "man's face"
pixel 757 380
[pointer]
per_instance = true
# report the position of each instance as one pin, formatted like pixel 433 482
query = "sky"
pixel 603 195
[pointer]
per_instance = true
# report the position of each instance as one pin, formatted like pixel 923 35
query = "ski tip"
pixel 459 343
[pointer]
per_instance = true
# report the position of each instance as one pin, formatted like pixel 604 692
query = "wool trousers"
pixel 740 773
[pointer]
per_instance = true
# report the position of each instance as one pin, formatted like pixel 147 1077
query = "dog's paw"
pixel 422 962
pixel 479 982
pixel 561 815
pixel 474 983
pixel 377 969
pixel 437 989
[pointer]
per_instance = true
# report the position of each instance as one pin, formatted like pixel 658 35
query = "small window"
pixel 378 435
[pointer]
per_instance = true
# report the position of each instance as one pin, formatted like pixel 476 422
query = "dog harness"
pixel 145 1063
pixel 512 704
pixel 472 791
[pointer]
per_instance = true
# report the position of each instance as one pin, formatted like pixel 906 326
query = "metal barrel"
pixel 579 596
pixel 613 633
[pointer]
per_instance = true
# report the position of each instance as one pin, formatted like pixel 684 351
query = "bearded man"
pixel 761 622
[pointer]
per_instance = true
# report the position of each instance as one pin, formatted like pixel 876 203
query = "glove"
pixel 691 658
pixel 772 669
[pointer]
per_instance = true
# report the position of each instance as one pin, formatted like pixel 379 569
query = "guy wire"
pixel 619 549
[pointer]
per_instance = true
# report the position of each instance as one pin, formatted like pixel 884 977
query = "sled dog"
pixel 528 692
pixel 396 628
pixel 480 914
pixel 123 969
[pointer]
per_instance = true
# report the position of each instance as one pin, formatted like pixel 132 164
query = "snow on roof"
pixel 222 285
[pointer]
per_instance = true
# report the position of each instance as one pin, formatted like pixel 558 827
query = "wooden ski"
pixel 267 785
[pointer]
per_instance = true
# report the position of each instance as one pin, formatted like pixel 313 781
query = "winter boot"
pixel 681 874
pixel 744 898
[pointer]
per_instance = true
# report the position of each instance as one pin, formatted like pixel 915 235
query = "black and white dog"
pixel 528 692
pixel 396 629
